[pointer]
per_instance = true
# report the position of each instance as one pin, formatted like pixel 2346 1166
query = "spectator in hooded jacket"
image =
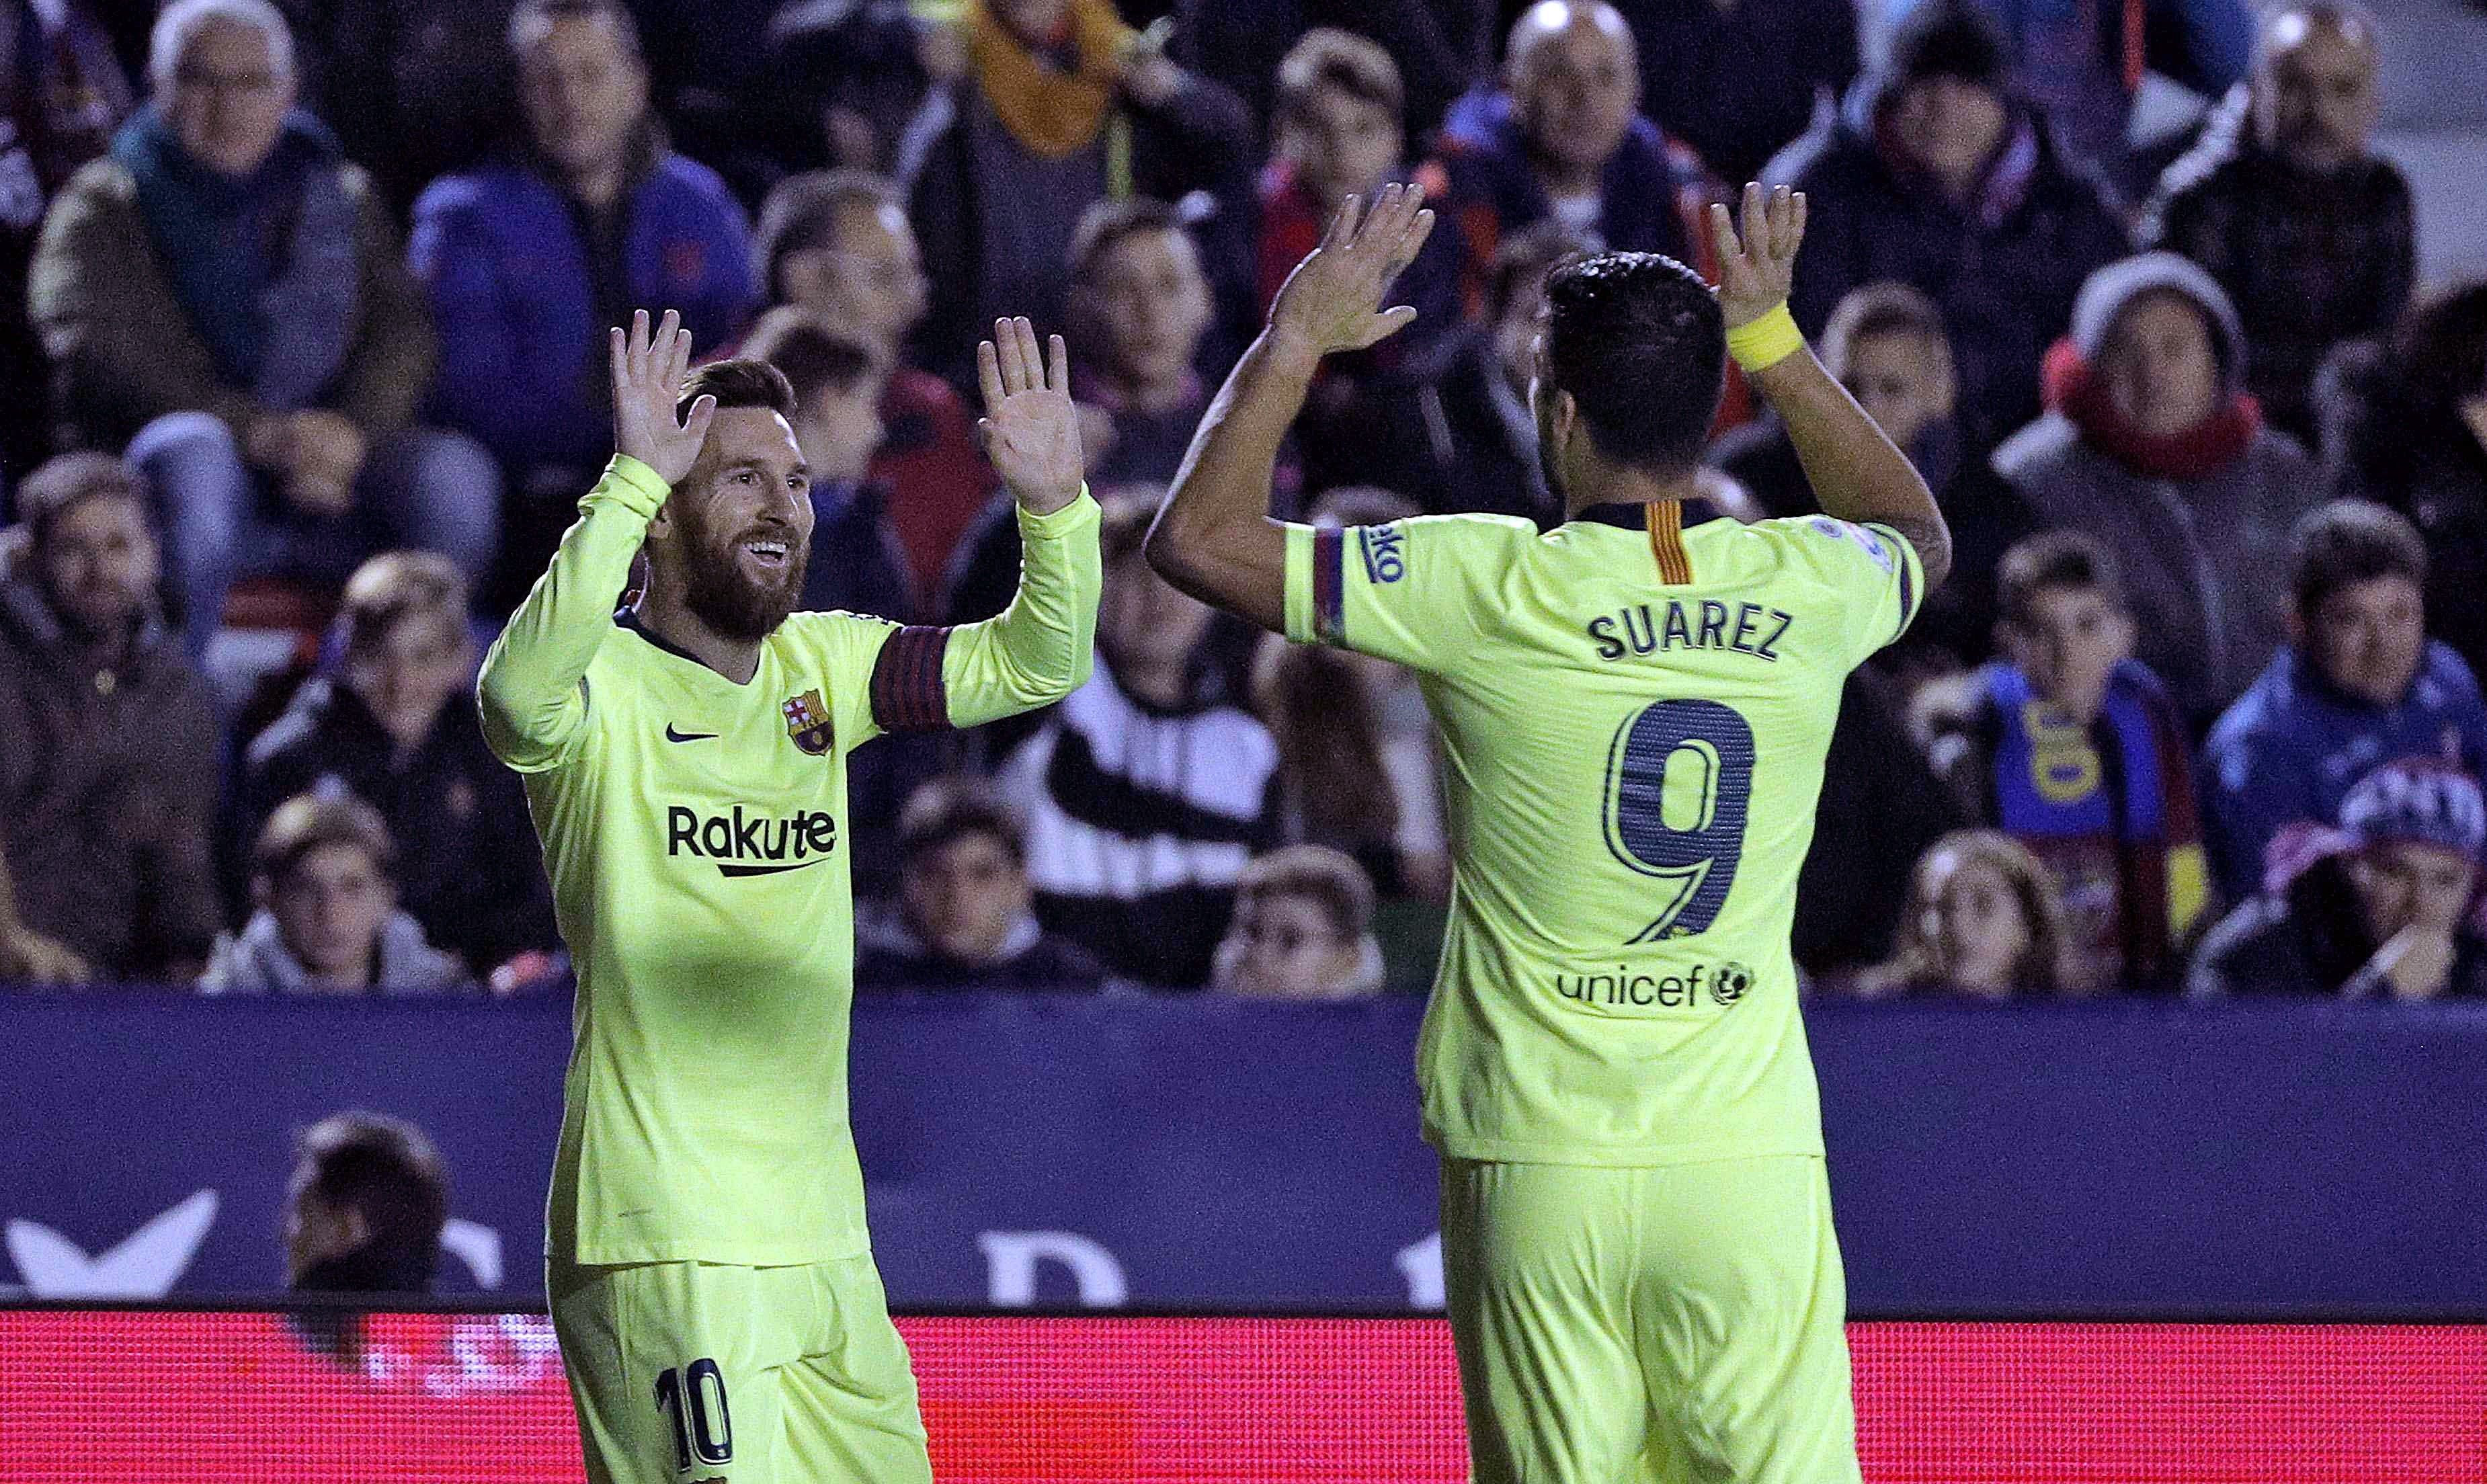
pixel 531 259
pixel 2083 62
pixel 224 294
pixel 1563 139
pixel 838 245
pixel 2384 906
pixel 2312 234
pixel 108 738
pixel 327 920
pixel 2405 424
pixel 2153 446
pixel 1938 174
pixel 397 729
pixel 1064 106
pixel 2358 684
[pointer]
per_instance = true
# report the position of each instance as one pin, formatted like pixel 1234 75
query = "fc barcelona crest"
pixel 807 721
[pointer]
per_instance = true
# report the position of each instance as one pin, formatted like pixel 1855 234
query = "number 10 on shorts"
pixel 692 1398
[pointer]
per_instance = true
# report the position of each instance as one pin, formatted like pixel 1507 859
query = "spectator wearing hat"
pixel 1934 173
pixel 2384 907
pixel 2287 202
pixel 328 920
pixel 108 738
pixel 2357 684
pixel 2152 445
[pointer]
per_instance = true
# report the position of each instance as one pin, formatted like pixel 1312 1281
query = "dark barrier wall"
pixel 2089 1159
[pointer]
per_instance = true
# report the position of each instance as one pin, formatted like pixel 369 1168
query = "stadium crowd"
pixel 302 336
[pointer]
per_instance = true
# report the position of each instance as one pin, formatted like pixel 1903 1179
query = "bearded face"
pixel 743 526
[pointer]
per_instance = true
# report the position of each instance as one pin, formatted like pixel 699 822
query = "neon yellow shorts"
pixel 1676 1324
pixel 686 1372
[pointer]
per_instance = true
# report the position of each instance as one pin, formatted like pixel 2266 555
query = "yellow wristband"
pixel 1765 342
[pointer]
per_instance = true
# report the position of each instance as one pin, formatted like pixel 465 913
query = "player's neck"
pixel 662 612
pixel 1615 485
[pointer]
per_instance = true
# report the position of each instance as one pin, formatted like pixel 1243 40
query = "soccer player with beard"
pixel 711 1281
pixel 1633 708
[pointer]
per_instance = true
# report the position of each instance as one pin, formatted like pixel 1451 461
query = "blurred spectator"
pixel 1139 306
pixel 1356 763
pixel 1063 106
pixel 2152 445
pixel 224 293
pixel 2359 684
pixel 1739 80
pixel 1442 47
pixel 1562 139
pixel 1451 427
pixel 2382 907
pixel 1983 920
pixel 1302 929
pixel 1149 790
pixel 29 957
pixel 397 730
pixel 1880 802
pixel 532 259
pixel 2405 424
pixel 328 920
pixel 412 90
pixel 856 561
pixel 1885 344
pixel 2070 748
pixel 2082 64
pixel 364 1207
pixel 838 243
pixel 108 740
pixel 1937 174
pixel 2285 201
pixel 62 95
pixel 964 920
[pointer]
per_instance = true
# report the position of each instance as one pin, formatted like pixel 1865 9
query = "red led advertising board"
pixel 177 1397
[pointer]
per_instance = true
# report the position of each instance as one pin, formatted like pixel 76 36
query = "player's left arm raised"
pixel 1043 646
pixel 1214 538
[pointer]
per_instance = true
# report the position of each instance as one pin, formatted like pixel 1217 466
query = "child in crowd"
pixel 2070 746
pixel 2384 906
pixel 1302 929
pixel 327 920
pixel 964 920
pixel 1984 920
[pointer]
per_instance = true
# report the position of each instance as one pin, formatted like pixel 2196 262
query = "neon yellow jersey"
pixel 695 833
pixel 1632 724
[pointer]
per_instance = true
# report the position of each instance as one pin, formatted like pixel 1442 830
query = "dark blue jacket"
pixel 512 293
pixel 1649 184
pixel 2292 746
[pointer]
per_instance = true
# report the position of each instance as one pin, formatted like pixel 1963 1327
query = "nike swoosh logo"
pixel 673 735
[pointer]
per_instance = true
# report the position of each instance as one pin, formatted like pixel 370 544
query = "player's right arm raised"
pixel 1855 470
pixel 531 691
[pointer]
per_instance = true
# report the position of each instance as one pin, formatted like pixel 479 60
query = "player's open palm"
pixel 648 371
pixel 1757 258
pixel 1030 425
pixel 1332 300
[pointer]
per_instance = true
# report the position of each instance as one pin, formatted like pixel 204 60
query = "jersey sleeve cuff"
pixel 1083 511
pixel 631 484
pixel 1912 576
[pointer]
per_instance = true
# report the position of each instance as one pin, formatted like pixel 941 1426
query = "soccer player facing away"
pixel 1633 709
pixel 711 1282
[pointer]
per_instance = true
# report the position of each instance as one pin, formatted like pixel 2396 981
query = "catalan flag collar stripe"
pixel 1664 519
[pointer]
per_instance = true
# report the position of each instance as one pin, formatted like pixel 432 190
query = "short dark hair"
pixel 1107 223
pixel 307 822
pixel 62 484
pixel 1951 39
pixel 1327 57
pixel 531 17
pixel 1524 259
pixel 801 213
pixel 386 1168
pixel 395 586
pixel 739 382
pixel 809 353
pixel 2053 559
pixel 953 809
pixel 2343 542
pixel 1329 879
pixel 1638 341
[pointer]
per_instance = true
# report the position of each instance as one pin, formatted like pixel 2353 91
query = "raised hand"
pixel 1332 300
pixel 1031 426
pixel 648 372
pixel 1757 267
